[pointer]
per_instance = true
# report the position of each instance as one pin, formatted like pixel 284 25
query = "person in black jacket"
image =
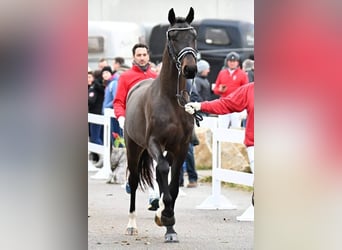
pixel 189 163
pixel 95 101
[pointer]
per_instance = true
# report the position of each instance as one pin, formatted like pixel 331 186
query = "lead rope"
pixel 183 98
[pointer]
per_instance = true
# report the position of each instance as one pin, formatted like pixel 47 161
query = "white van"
pixel 107 39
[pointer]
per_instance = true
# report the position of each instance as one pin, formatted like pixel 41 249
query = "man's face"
pixel 141 57
pixel 103 64
pixel 232 64
pixel 116 65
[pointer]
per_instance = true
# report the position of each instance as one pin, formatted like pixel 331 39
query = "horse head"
pixel 181 42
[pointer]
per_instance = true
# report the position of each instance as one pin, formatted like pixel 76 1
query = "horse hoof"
pixel 157 220
pixel 171 238
pixel 131 231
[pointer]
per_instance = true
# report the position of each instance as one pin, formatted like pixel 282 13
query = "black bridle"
pixel 183 97
pixel 187 50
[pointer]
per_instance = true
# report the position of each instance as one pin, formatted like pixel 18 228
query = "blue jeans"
pixel 114 127
pixel 96 133
pixel 190 166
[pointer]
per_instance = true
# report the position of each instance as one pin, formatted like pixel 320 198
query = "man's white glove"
pixel 121 121
pixel 191 107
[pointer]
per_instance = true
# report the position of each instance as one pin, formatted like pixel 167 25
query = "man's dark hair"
pixel 102 60
pixel 119 60
pixel 139 45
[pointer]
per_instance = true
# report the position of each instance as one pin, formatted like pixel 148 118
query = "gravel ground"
pixel 196 228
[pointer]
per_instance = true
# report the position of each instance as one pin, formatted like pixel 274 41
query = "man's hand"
pixel 121 121
pixel 191 107
pixel 222 88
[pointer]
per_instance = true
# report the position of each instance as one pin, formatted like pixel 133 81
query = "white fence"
pixel 216 200
pixel 104 149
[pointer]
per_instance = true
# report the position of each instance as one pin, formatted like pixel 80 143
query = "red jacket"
pixel 240 99
pixel 126 81
pixel 230 81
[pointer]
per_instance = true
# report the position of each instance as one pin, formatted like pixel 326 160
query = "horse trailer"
pixel 107 39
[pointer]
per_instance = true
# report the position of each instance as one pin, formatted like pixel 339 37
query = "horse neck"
pixel 169 77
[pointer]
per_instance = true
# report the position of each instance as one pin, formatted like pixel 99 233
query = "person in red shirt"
pixel 228 80
pixel 242 98
pixel 140 70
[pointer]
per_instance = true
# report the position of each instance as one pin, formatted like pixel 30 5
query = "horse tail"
pixel 145 167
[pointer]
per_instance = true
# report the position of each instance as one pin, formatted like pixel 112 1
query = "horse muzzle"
pixel 189 71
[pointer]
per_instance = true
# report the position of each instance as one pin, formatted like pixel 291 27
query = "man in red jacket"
pixel 140 71
pixel 228 80
pixel 242 98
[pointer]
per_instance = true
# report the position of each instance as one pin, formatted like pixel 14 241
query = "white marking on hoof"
pixel 132 228
pixel 157 218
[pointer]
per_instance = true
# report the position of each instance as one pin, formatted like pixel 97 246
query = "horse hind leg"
pixel 132 228
pixel 133 180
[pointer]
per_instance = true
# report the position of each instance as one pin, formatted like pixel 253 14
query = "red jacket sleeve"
pixel 234 102
pixel 119 103
pixel 240 99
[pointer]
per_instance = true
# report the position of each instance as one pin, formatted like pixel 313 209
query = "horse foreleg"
pixel 171 235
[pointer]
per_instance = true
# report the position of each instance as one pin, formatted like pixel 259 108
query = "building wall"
pixel 154 11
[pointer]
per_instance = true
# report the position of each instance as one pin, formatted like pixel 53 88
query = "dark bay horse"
pixel 157 128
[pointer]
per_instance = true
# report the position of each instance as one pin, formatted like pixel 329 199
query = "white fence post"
pixel 105 171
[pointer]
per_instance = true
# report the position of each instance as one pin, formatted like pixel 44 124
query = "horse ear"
pixel 190 16
pixel 172 17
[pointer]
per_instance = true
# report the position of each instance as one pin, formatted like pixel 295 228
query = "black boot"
pixel 253 199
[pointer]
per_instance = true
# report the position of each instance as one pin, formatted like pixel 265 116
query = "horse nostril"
pixel 189 71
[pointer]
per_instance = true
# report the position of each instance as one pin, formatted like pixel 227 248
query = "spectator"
pixel 242 98
pixel 111 82
pixel 140 71
pixel 119 65
pixel 102 63
pixel 95 101
pixel 91 78
pixel 228 80
pixel 189 163
pixel 201 81
pixel 248 67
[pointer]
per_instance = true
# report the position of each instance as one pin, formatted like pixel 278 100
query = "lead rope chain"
pixel 183 97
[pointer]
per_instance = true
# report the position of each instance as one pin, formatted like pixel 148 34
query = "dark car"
pixel 216 38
